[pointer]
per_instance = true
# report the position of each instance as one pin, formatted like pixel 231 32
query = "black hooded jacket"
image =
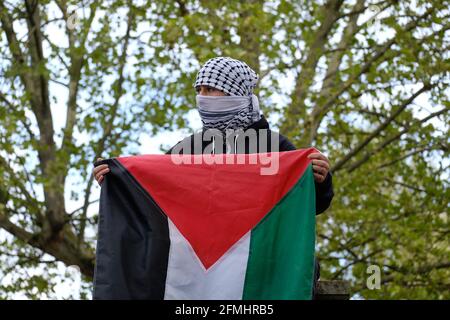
pixel 324 190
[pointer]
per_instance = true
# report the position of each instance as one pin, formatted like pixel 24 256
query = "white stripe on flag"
pixel 188 279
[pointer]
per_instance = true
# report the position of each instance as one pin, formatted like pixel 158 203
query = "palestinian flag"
pixel 198 230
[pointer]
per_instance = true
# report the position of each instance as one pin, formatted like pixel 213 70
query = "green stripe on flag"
pixel 281 259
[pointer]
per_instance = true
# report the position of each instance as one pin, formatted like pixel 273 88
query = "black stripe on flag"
pixel 133 240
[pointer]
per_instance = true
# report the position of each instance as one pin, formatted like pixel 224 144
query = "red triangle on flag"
pixel 215 205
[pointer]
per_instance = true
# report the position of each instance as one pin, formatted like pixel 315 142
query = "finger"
pixel 101 173
pixel 317 155
pixel 318 177
pixel 99 159
pixel 100 180
pixel 321 170
pixel 99 168
pixel 321 163
pixel 314 155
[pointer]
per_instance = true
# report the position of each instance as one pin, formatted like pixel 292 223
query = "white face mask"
pixel 228 112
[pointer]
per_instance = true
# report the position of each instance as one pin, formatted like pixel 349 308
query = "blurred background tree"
pixel 366 82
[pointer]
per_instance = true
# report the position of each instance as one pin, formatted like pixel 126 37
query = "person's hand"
pixel 100 171
pixel 321 166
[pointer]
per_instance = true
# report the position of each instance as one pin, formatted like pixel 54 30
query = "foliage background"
pixel 366 82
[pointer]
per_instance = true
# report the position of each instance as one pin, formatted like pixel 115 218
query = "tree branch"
pixel 320 110
pixel 109 125
pixel 330 14
pixel 424 269
pixel 31 201
pixel 13 108
pixel 388 141
pixel 380 128
pixel 407 155
pixel 330 81
pixel 77 60
pixel 15 230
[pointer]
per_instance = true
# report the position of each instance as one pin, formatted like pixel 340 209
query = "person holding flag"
pixel 227 104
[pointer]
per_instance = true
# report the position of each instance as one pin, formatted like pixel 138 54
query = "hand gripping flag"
pixel 197 230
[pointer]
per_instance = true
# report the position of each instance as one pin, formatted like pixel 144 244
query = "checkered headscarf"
pixel 240 108
pixel 228 75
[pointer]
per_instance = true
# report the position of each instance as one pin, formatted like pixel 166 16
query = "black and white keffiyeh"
pixel 237 110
